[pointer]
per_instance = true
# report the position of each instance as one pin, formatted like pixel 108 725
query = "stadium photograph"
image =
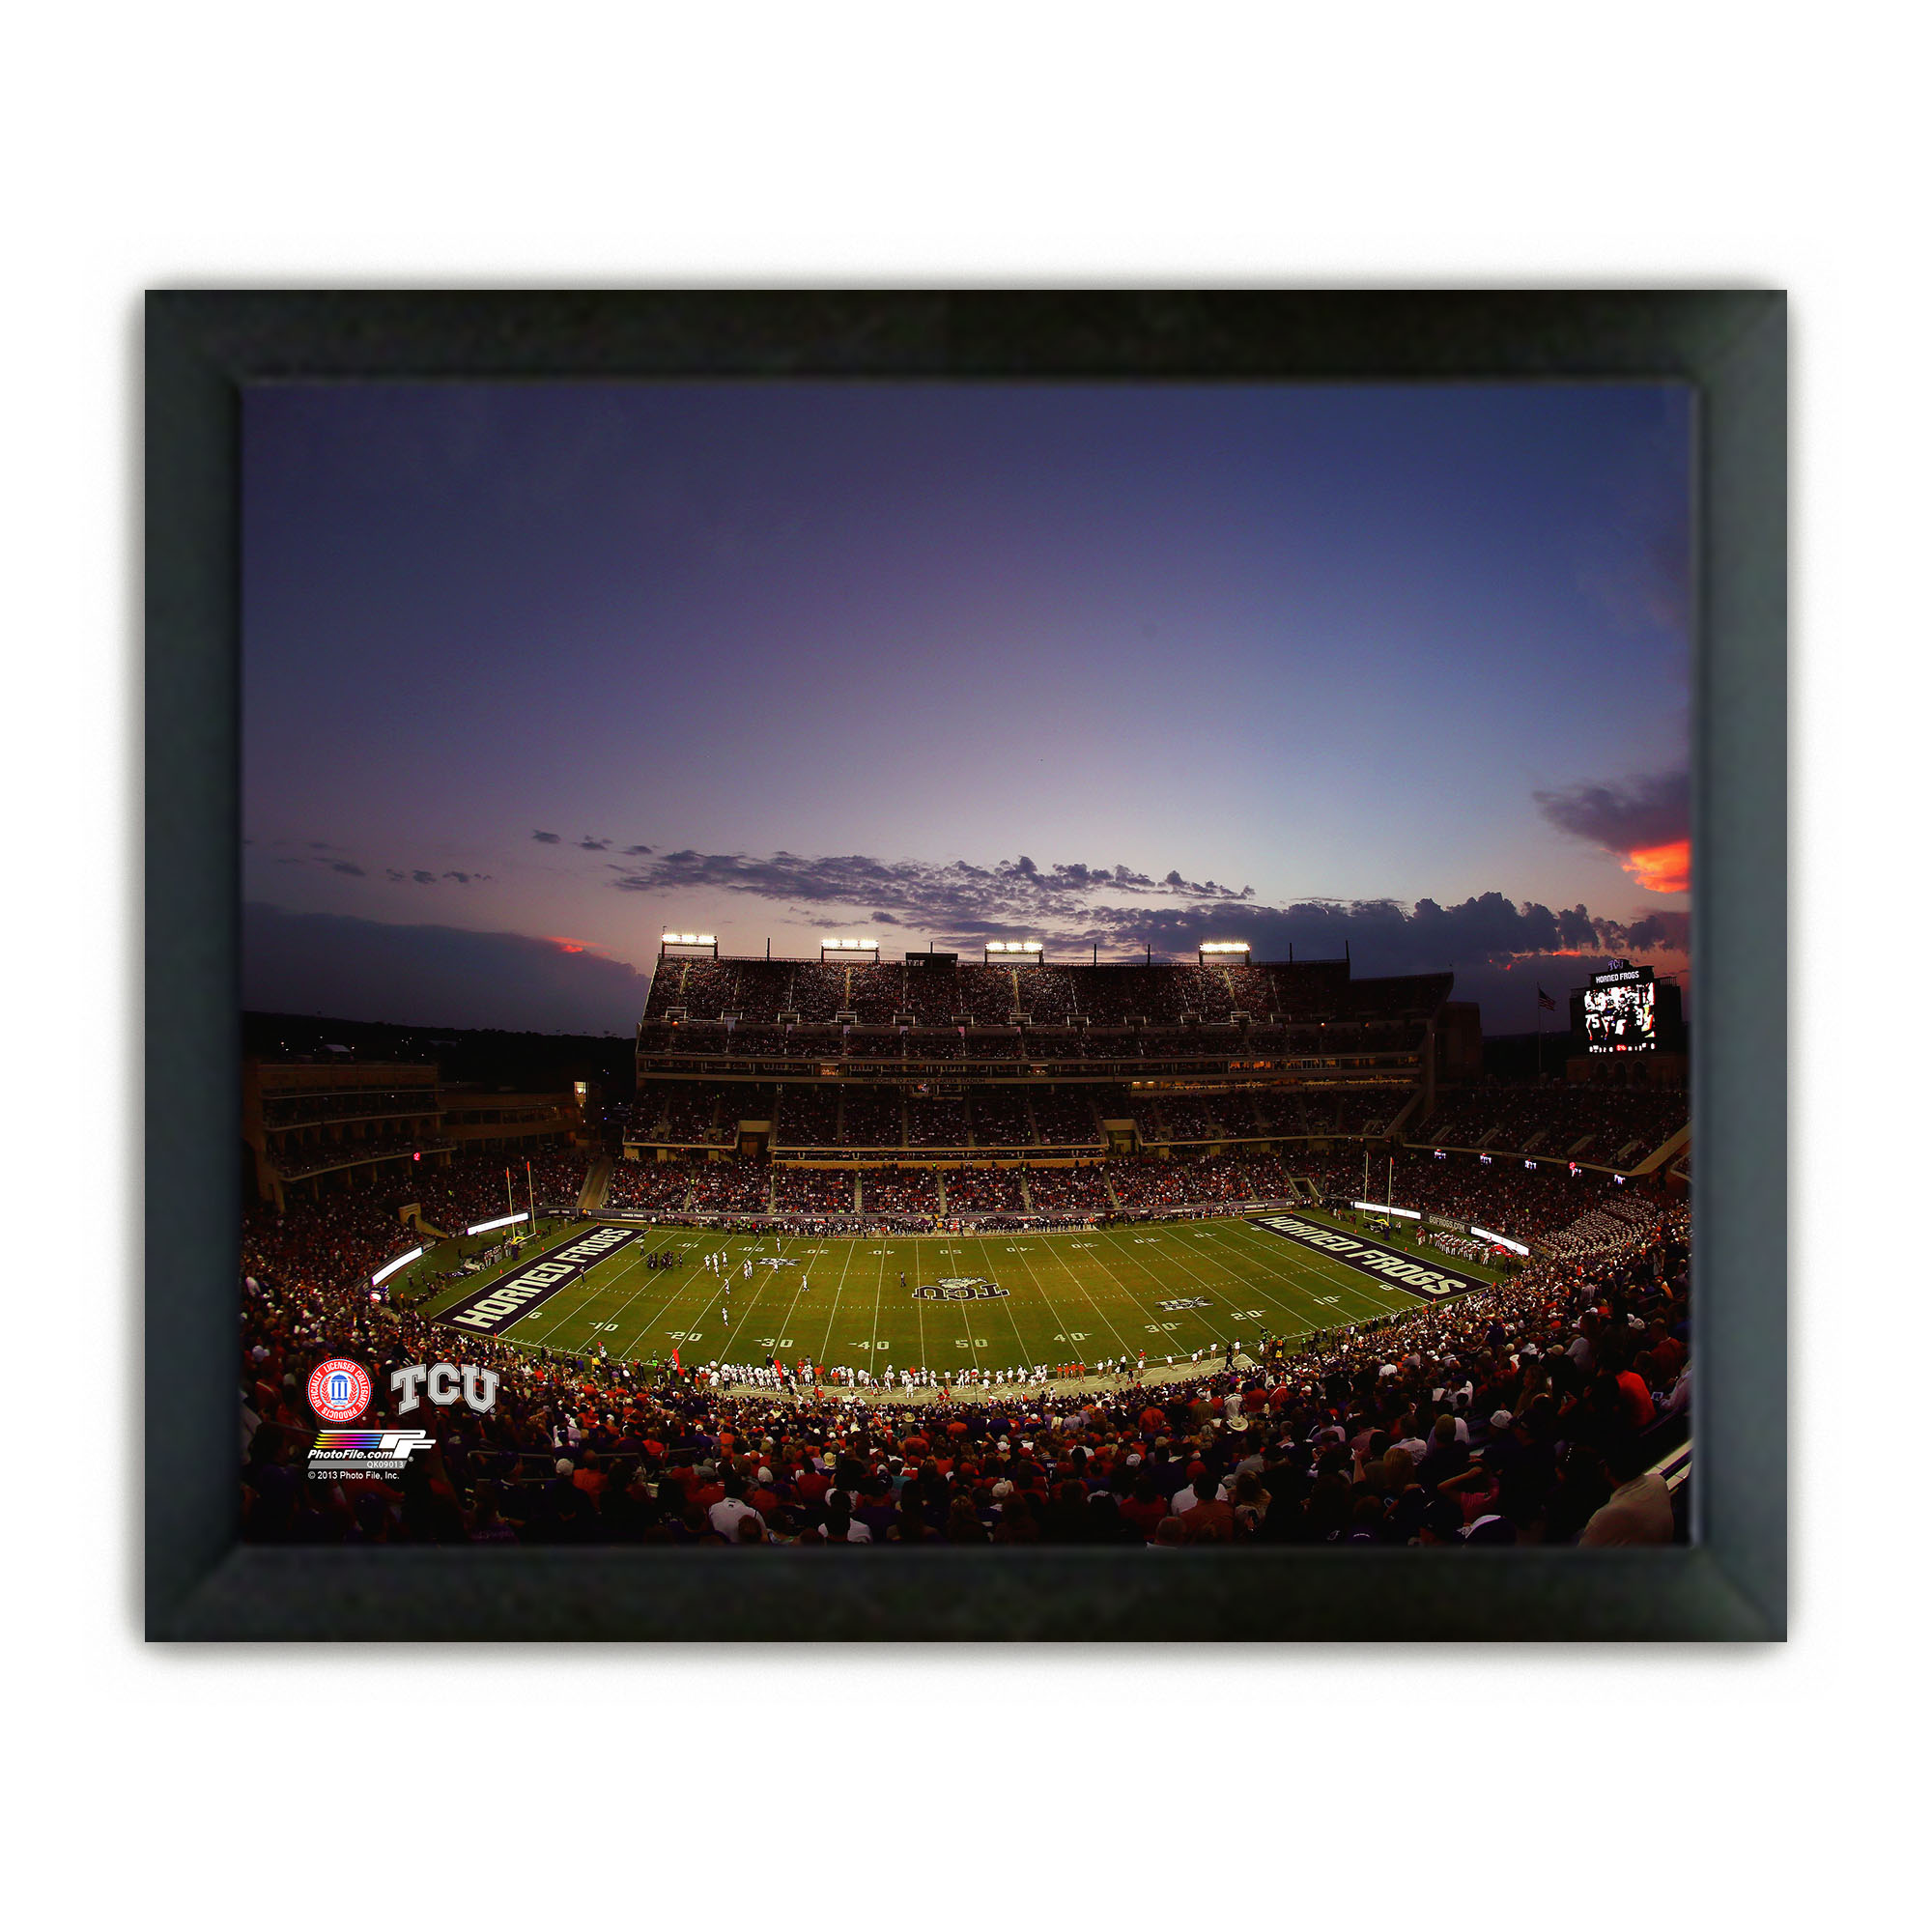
pixel 968 965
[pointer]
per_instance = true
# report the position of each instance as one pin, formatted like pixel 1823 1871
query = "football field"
pixel 944 1302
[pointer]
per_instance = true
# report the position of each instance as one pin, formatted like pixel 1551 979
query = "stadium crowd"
pixel 1065 1194
pixel 913 1191
pixel 1502 1192
pixel 298 1161
pixel 812 1190
pixel 1528 1412
pixel 474 1188
pixel 983 1190
pixel 1554 1118
pixel 648 1187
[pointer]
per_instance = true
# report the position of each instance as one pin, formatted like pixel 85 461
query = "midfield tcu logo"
pixel 960 1287
pixel 479 1387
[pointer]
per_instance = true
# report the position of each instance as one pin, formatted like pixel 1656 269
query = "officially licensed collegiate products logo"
pixel 364 1454
pixel 339 1390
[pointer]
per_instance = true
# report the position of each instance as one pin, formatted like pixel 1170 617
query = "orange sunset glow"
pixel 1661 868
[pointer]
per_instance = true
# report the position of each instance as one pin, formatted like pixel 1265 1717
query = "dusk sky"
pixel 532 672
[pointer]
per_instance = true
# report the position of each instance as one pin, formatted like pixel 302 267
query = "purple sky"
pixel 538 667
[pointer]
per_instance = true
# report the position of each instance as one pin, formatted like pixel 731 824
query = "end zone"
pixel 1384 1264
pixel 516 1295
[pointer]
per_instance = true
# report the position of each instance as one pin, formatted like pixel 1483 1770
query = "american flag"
pixel 1544 1001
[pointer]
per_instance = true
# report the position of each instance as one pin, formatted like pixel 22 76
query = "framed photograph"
pixel 966 966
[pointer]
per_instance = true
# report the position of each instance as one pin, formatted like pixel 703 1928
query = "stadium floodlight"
pixel 383 1274
pixel 502 1221
pixel 1501 1240
pixel 1225 946
pixel 1383 1207
pixel 707 939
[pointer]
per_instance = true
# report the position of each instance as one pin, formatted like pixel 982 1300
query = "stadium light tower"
pixel 687 942
pixel 1021 951
pixel 1233 950
pixel 845 949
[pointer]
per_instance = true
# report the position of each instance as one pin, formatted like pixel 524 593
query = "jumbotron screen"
pixel 1620 1010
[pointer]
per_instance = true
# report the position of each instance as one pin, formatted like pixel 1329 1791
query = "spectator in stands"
pixel 1637 1510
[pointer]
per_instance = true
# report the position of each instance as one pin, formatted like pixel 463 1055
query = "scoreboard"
pixel 1620 1010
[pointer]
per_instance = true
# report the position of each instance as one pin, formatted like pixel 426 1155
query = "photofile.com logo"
pixel 364 1452
pixel 401 1444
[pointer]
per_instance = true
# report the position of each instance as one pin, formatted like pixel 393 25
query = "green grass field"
pixel 1169 1287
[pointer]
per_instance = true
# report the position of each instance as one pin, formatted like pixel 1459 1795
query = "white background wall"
pixel 1649 144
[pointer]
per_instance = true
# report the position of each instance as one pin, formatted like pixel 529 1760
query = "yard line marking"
pixel 1204 1317
pixel 965 1308
pixel 619 1354
pixel 1155 1309
pixel 986 1267
pixel 578 1303
pixel 919 1309
pixel 733 1337
pixel 692 1282
pixel 1330 1274
pixel 1238 1280
pixel 721 1301
pixel 1398 1244
pixel 674 1290
pixel 1317 1264
pixel 1356 1287
pixel 1007 1302
pixel 1272 1260
pixel 433 1306
pixel 1103 1273
pixel 872 1353
pixel 838 1288
pixel 1101 1312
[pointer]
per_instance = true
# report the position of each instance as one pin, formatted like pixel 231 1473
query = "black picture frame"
pixel 203 1583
